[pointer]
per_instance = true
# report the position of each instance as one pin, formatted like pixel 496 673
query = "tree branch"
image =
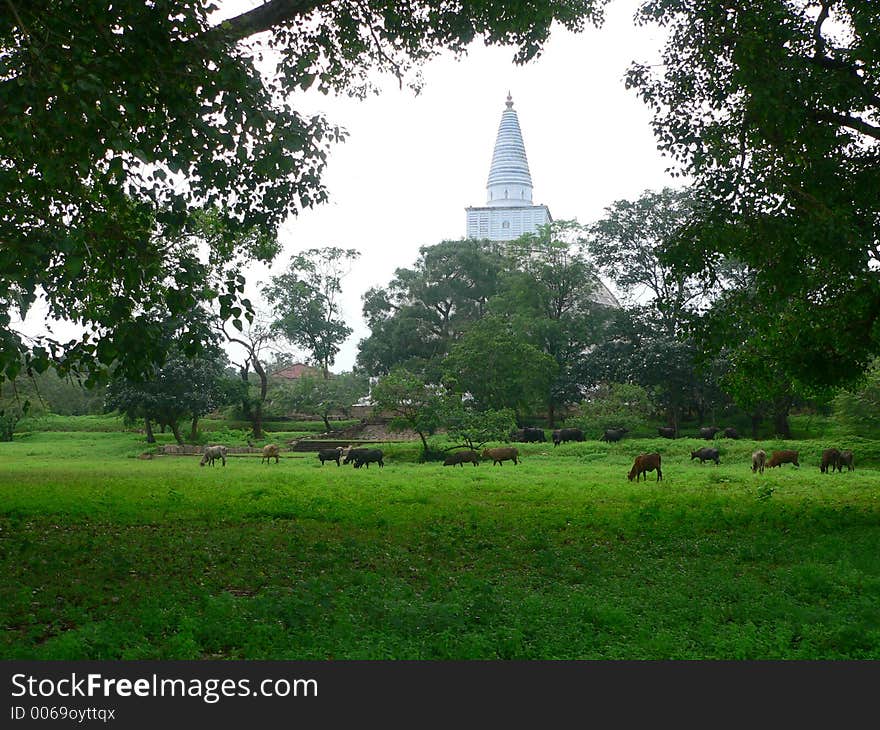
pixel 817 29
pixel 265 17
pixel 849 121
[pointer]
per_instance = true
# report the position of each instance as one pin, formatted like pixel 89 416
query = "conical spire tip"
pixel 509 101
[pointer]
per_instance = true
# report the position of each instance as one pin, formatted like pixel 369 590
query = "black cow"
pixel 330 455
pixel 705 454
pixel 362 457
pixel 561 435
pixel 666 432
pixel 460 457
pixel 528 435
pixel 613 434
pixel 731 433
pixel 709 432
pixel 845 460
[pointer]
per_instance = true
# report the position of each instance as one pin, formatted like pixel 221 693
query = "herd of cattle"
pixel 611 435
pixel 831 458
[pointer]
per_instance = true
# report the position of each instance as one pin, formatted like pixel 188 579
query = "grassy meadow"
pixel 107 556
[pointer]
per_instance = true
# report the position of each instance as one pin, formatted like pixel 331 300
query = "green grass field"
pixel 105 556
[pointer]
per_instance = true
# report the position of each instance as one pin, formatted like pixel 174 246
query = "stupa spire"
pixel 510 182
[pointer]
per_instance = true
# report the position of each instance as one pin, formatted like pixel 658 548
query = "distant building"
pixel 509 212
pixel 296 371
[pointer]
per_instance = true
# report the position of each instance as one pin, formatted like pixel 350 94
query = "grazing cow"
pixel 364 457
pixel 501 455
pixel 709 432
pixel 759 458
pixel 705 454
pixel 460 457
pixel 846 459
pixel 330 455
pixel 613 434
pixel 643 464
pixel 777 458
pixel 731 433
pixel 561 435
pixel 269 451
pixel 528 435
pixel 211 453
pixel 830 458
pixel 666 432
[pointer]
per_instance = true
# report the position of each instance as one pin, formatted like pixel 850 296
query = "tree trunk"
pixel 148 427
pixel 756 422
pixel 194 431
pixel 673 418
pixel 257 421
pixel 258 410
pixel 781 409
pixel 175 429
pixel 551 415
pixel 424 442
pixel 781 425
pixel 326 422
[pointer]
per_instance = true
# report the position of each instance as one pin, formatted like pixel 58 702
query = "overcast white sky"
pixel 411 164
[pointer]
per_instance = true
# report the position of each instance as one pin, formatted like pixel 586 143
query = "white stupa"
pixel 509 212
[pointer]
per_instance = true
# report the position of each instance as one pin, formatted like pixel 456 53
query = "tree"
pixel 123 120
pixel 323 397
pixel 629 245
pixel 475 428
pixel 755 378
pixel 772 107
pixel 182 387
pixel 254 340
pixel 859 407
pixel 424 309
pixel 499 369
pixel 552 295
pixel 306 304
pixel 614 405
pixel 413 403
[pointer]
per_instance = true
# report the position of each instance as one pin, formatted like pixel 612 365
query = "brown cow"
pixel 785 456
pixel 269 451
pixel 846 459
pixel 643 464
pixel 460 457
pixel 830 457
pixel 501 454
pixel 759 459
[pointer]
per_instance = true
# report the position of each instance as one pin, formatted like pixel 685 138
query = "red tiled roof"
pixel 297 370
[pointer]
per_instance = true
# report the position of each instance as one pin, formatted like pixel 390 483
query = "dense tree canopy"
pixel 423 309
pixel 498 367
pixel 184 387
pixel 122 120
pixel 550 291
pixel 306 302
pixel 321 396
pixel 773 107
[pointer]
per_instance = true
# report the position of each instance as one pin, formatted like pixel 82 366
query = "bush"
pixel 615 405
pixel 7 425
